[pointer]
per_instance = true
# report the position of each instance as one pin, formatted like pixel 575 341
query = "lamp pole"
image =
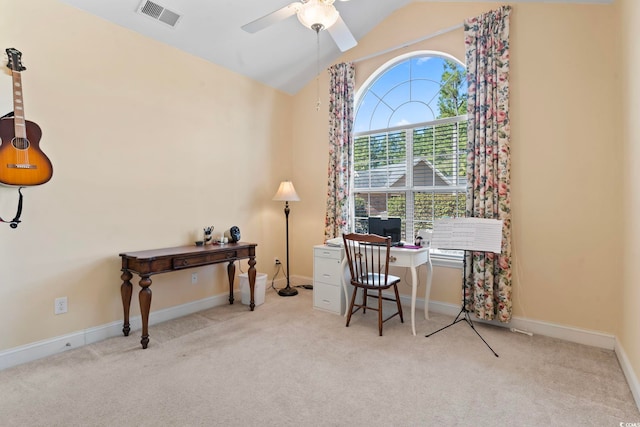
pixel 287 193
pixel 288 291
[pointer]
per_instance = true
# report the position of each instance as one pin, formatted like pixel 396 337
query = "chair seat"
pixel 374 280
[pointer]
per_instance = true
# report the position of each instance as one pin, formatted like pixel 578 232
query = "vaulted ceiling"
pixel 282 56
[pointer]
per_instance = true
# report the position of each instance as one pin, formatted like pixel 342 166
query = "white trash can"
pixel 258 290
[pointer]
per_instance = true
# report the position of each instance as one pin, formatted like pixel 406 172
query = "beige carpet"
pixel 286 364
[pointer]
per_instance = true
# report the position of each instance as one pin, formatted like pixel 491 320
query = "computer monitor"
pixel 391 227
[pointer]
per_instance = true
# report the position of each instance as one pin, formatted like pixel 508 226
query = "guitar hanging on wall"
pixel 22 163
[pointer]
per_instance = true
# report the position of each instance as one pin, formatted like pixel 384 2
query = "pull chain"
pixel 317 27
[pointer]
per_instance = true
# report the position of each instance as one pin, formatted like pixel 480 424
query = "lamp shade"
pixel 320 12
pixel 286 193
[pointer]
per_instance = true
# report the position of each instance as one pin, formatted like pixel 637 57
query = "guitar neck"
pixel 18 106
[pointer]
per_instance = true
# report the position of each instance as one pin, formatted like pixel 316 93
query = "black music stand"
pixel 471 234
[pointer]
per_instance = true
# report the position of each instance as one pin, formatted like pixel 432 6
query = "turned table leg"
pixel 145 307
pixel 252 281
pixel 231 273
pixel 125 291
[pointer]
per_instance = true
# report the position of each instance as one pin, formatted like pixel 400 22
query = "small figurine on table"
pixel 208 235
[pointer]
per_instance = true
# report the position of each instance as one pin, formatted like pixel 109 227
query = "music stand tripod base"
pixel 467 319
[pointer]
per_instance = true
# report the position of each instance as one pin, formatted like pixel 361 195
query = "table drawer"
pixel 203 259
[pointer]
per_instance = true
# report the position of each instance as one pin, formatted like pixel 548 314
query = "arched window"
pixel 410 137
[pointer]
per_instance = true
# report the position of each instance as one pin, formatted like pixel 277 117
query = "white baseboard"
pixel 37 350
pixel 566 333
pixel 629 373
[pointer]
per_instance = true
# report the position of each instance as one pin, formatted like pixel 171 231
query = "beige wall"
pixel 567 228
pixel 148 144
pixel 629 334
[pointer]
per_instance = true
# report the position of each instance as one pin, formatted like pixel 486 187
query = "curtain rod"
pixel 437 33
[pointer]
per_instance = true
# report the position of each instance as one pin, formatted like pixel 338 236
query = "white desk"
pixel 407 258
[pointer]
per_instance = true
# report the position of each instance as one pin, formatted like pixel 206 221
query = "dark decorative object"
pixel 233 234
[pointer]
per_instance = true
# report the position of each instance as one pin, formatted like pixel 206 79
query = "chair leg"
pixel 395 288
pixel 364 300
pixel 353 300
pixel 380 311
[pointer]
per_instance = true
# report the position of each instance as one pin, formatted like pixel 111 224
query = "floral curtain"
pixel 341 96
pixel 487 284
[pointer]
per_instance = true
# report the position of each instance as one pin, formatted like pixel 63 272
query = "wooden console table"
pixel 155 261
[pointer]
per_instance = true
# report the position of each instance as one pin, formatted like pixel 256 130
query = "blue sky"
pixel 406 93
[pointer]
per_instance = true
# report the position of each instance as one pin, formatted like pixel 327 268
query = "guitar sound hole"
pixel 20 143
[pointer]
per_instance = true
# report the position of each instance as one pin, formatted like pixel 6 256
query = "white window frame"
pixel 439 258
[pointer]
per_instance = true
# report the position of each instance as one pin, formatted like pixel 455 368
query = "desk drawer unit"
pixel 328 293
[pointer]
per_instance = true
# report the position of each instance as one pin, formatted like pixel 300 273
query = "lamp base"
pixel 288 292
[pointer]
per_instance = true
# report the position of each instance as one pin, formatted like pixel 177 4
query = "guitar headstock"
pixel 14 59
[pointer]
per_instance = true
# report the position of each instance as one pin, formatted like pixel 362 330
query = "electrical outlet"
pixel 60 305
pixel 276 261
pixel 194 278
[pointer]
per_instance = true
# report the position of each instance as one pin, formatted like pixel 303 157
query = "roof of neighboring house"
pixel 425 174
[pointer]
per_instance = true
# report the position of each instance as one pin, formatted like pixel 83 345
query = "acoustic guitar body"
pixel 22 163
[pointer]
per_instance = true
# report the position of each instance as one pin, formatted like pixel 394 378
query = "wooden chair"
pixel 368 259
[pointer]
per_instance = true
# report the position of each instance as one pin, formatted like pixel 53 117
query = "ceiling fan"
pixel 317 15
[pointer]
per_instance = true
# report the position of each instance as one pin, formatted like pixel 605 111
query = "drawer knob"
pixel 392 259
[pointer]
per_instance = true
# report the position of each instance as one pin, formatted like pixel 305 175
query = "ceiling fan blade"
pixel 341 35
pixel 272 18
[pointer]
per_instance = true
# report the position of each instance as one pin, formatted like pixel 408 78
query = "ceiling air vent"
pixel 159 13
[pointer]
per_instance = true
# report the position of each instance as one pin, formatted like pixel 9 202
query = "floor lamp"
pixel 286 193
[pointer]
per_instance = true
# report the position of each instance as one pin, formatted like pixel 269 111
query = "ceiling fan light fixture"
pixel 318 12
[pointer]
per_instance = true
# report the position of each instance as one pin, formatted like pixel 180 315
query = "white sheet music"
pixel 471 234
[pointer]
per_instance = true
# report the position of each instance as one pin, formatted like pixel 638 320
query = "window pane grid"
pixel 437 168
pixel 374 203
pixel 414 165
pixel 380 160
pixel 431 206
